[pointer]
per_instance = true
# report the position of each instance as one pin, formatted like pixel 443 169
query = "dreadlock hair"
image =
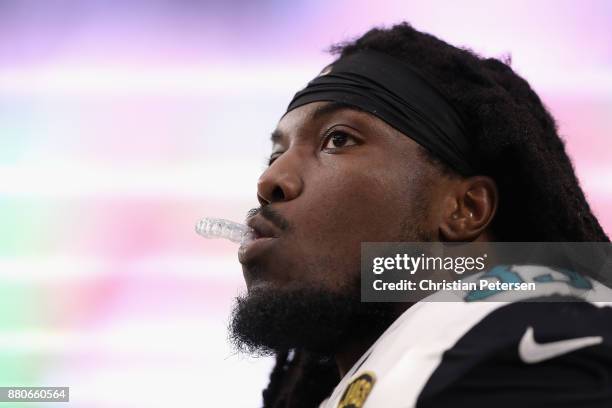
pixel 516 141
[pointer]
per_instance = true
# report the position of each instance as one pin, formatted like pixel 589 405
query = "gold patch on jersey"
pixel 357 391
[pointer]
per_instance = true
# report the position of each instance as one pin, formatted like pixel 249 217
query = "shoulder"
pixel 548 353
pixel 546 349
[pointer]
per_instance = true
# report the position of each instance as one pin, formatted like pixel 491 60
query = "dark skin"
pixel 339 177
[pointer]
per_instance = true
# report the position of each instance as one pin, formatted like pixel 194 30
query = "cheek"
pixel 344 205
pixel 350 207
pixel 345 209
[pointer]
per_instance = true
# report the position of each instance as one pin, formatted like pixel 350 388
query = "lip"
pixel 263 236
pixel 251 250
pixel 262 227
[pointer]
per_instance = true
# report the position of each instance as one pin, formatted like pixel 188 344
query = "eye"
pixel 273 157
pixel 338 139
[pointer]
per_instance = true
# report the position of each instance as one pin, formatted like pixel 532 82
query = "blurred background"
pixel 124 122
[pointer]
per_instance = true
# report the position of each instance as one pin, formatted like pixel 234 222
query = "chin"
pixel 261 285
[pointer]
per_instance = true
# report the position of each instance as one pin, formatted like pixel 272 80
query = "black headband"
pixel 396 93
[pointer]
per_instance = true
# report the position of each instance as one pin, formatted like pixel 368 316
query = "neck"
pixel 348 356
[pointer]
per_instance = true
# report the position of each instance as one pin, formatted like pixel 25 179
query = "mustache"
pixel 271 215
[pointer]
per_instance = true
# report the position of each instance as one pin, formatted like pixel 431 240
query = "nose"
pixel 280 182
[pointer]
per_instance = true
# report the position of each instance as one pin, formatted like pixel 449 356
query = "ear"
pixel 469 208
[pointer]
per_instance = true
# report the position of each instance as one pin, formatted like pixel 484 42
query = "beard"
pixel 266 321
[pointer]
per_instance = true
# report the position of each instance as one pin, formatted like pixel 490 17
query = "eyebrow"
pixel 327 109
pixel 276 136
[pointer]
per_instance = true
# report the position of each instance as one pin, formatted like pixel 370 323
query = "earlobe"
pixel 470 208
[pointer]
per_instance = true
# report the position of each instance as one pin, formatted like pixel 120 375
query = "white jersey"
pixel 480 353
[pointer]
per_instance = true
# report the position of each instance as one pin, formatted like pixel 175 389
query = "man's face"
pixel 339 177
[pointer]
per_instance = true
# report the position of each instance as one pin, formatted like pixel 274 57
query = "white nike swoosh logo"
pixel 532 352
